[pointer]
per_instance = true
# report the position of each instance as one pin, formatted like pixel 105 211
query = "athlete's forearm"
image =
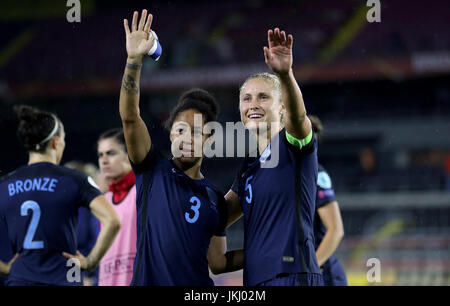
pixel 233 207
pixel 228 262
pixel 3 268
pixel 296 121
pixel 136 134
pixel 328 246
pixel 105 239
pixel 235 260
pixel 130 92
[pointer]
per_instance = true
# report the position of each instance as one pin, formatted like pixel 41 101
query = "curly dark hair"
pixel 197 99
pixel 35 126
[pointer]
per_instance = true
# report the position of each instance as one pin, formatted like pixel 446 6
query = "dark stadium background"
pixel 381 89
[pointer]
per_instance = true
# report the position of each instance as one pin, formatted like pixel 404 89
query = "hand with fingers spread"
pixel 85 262
pixel 278 55
pixel 138 40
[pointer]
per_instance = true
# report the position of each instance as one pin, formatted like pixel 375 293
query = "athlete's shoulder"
pixel 13 174
pixel 61 171
pixel 211 186
pixel 321 168
pixel 7 176
pixel 151 161
pixel 214 193
pixel 323 178
pixel 73 175
pixel 70 172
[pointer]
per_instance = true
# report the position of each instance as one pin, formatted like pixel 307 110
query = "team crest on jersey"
pixel 265 154
pixel 323 180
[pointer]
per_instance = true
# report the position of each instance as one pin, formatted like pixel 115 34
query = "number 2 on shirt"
pixel 195 208
pixel 28 243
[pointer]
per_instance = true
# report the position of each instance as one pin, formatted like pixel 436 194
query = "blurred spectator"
pixel 447 172
pixel 187 48
pixel 367 176
pixel 88 226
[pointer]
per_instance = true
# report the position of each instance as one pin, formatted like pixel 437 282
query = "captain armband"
pixel 300 143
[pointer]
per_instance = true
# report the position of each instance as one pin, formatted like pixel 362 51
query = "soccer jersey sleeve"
pixel 235 185
pixel 153 156
pixel 325 191
pixel 88 190
pixel 300 146
pixel 223 216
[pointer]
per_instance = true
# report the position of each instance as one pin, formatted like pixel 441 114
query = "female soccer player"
pixel 276 190
pixel 328 226
pixel 116 267
pixel 181 215
pixel 40 204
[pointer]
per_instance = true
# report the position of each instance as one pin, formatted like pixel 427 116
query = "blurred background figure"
pixel 88 226
pixel 328 226
pixel 367 178
pixel 116 267
pixel 40 203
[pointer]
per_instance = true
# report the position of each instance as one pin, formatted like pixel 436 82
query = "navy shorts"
pixel 295 279
pixel 334 274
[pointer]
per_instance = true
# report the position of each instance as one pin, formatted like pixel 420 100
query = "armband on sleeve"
pixel 300 143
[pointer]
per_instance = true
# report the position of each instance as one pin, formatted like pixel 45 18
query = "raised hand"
pixel 278 55
pixel 139 42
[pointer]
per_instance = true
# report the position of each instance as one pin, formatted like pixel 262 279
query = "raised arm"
pixel 278 57
pixel 138 44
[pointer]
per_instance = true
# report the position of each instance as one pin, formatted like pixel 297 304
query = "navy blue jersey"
pixel 87 231
pixel 325 195
pixel 6 252
pixel 333 273
pixel 176 218
pixel 278 205
pixel 39 205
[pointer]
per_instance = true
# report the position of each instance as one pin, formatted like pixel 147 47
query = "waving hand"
pixel 279 53
pixel 139 42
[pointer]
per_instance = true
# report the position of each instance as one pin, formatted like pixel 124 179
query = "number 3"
pixel 195 209
pixel 28 243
